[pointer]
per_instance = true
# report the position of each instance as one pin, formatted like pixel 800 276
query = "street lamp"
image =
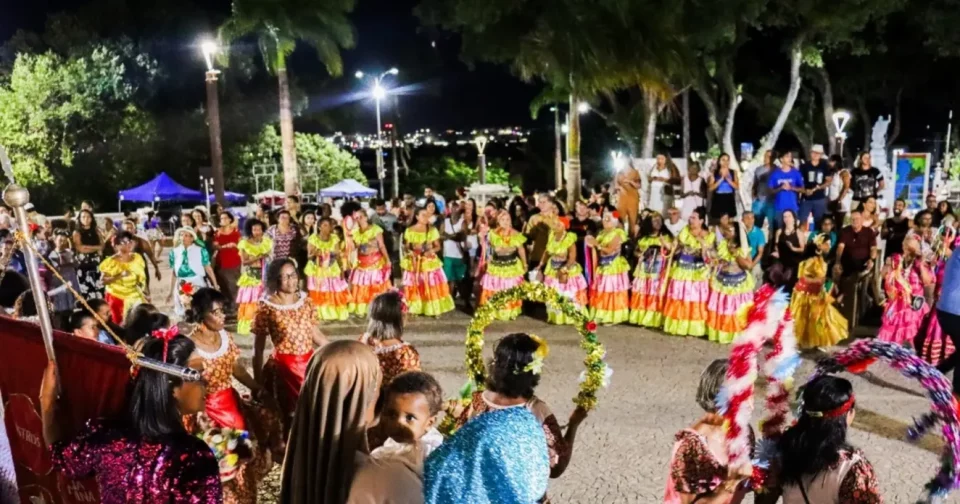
pixel 583 107
pixel 379 92
pixel 210 48
pixel 840 120
pixel 481 143
pixel 618 160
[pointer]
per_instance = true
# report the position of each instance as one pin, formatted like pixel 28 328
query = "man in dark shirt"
pixel 895 229
pixel 866 181
pixel 816 179
pixel 857 249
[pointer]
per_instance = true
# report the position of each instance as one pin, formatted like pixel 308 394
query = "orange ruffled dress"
pixel 371 275
pixel 325 283
pixel 225 409
pixel 648 279
pixel 425 285
pixel 610 292
pixel 685 309
pixel 730 288
pixel 566 279
pixel 291 329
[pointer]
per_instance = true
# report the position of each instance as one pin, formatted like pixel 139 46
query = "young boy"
pixel 756 241
pixel 411 403
pixel 83 325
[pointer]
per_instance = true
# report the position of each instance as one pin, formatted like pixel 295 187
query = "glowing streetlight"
pixel 840 120
pixel 209 48
pixel 583 107
pixel 379 93
pixel 618 160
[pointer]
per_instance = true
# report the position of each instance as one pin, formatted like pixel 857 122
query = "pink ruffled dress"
pixel 906 306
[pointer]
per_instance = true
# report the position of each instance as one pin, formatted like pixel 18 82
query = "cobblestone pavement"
pixel 623 447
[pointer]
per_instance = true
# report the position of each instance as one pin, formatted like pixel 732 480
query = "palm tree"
pixel 278 25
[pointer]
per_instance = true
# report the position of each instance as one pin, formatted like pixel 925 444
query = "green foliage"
pixel 319 160
pixel 446 174
pixel 279 24
pixel 76 118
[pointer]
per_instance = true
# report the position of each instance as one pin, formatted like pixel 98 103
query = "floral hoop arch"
pixel 596 372
pixel 943 410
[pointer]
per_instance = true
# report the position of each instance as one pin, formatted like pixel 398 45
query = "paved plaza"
pixel 623 447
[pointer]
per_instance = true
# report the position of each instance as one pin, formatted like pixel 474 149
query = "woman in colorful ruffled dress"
pixel 506 266
pixel 817 323
pixel 909 286
pixel 225 408
pixel 325 283
pixel 936 346
pixel 609 294
pixel 653 248
pixel 688 290
pixel 287 316
pixel 561 270
pixel 254 251
pixel 424 283
pixel 731 287
pixel 371 271
pixel 125 276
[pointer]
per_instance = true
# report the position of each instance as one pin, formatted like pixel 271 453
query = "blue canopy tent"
pixel 231 197
pixel 161 188
pixel 348 188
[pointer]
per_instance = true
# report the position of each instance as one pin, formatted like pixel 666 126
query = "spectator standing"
pixel 895 229
pixel 628 196
pixel 454 249
pixel 786 184
pixel 694 193
pixel 816 179
pixel 537 229
pixel 285 235
pixel 756 240
pixel 723 186
pixel 582 225
pixel 839 195
pixel 440 202
pixel 762 194
pixel 226 258
pixel 944 208
pixel 388 222
pixel 659 178
pixel 932 208
pixel 866 181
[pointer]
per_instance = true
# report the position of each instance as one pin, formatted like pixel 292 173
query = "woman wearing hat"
pixel 190 264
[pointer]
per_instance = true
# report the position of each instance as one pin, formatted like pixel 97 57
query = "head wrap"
pixel 329 428
pixel 497 457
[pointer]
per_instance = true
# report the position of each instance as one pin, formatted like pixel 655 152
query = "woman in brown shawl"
pixel 329 427
pixel 628 195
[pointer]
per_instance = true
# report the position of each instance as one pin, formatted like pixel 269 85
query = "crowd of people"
pixel 355 421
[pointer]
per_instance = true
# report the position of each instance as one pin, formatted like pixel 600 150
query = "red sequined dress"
pixel 130 469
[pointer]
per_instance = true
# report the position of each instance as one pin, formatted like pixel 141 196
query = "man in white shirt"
pixel 455 262
pixel 673 221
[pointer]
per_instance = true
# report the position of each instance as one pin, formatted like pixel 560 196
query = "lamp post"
pixel 379 92
pixel 481 143
pixel 557 153
pixel 210 48
pixel 840 120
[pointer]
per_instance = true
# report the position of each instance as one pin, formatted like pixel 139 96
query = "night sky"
pixel 445 92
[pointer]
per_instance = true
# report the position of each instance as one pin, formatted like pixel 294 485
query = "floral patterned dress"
pixel 396 359
pixel 694 468
pixel 291 329
pixel 225 408
pixel 850 481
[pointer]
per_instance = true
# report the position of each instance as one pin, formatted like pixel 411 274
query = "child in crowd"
pixel 411 405
pixel 83 325
pixel 385 335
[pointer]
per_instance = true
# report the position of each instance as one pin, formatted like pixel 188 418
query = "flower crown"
pixel 536 365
